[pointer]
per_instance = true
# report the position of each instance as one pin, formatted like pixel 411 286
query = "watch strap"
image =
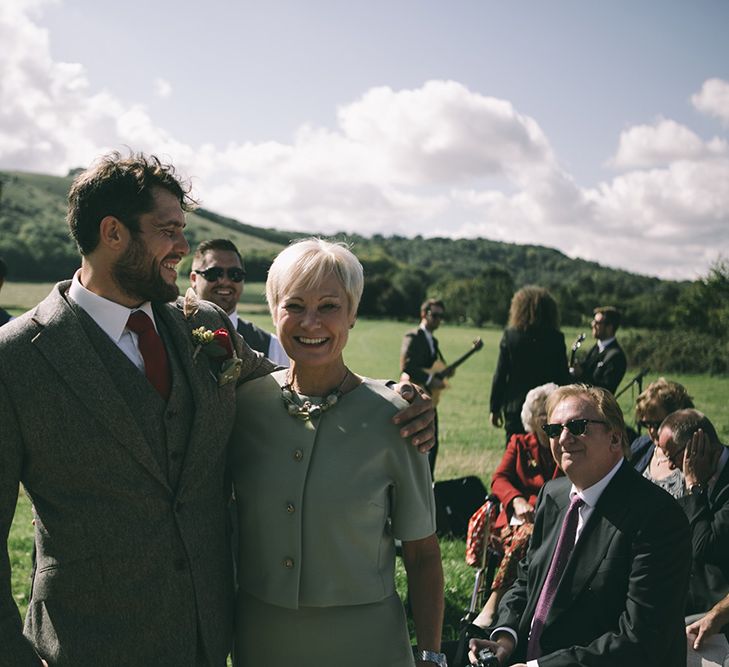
pixel 431 656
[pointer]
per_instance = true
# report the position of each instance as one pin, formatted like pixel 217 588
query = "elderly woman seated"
pixel 653 405
pixel 526 466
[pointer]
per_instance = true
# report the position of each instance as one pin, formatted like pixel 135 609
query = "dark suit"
pixel 621 599
pixel 527 359
pixel 257 339
pixel 133 561
pixel 709 521
pixel 4 316
pixel 604 369
pixel 416 358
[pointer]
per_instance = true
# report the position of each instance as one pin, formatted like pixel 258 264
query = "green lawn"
pixel 469 446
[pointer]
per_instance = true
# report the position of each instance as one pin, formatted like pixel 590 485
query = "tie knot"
pixel 139 322
pixel 576 502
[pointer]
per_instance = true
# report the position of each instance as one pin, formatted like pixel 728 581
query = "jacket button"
pixel 288 563
pixel 290 508
pixel 298 455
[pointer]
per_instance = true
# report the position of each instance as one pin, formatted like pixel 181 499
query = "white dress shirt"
pixel 112 319
pixel 275 353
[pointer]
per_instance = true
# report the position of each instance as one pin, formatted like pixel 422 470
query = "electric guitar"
pixel 441 371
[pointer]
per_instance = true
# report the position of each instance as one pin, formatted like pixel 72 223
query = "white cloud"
pixel 713 99
pixel 438 159
pixel 660 144
pixel 162 88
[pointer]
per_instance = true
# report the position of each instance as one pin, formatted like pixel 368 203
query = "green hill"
pixel 477 275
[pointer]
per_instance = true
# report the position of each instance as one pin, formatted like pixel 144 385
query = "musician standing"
pixel 605 364
pixel 420 352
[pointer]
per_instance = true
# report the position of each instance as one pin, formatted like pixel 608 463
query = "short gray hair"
pixel 533 404
pixel 307 263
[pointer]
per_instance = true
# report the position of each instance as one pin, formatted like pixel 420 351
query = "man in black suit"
pixel 689 441
pixel 418 354
pixel 603 583
pixel 605 363
pixel 218 275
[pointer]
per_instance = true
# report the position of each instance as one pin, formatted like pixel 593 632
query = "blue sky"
pixel 599 128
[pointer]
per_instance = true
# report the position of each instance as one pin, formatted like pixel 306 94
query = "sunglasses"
pixel 217 272
pixel 643 423
pixel 574 426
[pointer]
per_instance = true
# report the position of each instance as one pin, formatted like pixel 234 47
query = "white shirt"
pixel 111 318
pixel 275 353
pixel 602 344
pixel 590 495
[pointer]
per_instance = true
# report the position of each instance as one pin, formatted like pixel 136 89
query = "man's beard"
pixel 139 277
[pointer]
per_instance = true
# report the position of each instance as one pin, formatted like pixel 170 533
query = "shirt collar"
pixel 602 344
pixel 723 458
pixel 110 316
pixel 592 494
pixel 233 317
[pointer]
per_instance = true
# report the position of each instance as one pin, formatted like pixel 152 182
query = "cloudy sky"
pixel 599 128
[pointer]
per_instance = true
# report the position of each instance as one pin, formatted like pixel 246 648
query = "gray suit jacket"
pixel 133 562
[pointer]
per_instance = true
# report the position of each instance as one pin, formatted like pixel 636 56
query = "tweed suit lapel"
pixel 65 346
pixel 213 405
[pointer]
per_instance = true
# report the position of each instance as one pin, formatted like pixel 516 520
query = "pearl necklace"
pixel 305 409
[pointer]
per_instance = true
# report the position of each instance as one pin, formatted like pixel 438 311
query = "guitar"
pixel 441 371
pixel 575 346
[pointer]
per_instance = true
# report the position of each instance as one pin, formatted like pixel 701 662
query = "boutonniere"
pixel 217 346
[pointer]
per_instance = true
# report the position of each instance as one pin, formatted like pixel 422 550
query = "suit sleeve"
pixel 505 479
pixel 14 645
pixel 411 360
pixel 709 528
pixel 501 377
pixel 650 629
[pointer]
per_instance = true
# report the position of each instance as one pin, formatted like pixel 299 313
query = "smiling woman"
pixel 325 487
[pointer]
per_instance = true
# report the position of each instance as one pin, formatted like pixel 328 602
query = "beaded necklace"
pixel 305 409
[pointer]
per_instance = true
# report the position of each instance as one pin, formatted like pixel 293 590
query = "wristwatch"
pixel 431 656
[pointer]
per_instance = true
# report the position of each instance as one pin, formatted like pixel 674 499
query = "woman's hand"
pixel 416 420
pixel 522 510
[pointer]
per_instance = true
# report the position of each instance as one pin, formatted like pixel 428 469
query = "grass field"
pixel 468 445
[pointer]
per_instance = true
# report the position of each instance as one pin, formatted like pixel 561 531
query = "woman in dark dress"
pixel 532 352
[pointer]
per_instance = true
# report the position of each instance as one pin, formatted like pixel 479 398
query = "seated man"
pixel 218 275
pixel 689 441
pixel 605 577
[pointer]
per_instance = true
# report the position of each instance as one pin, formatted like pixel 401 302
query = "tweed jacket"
pixel 621 598
pixel 133 562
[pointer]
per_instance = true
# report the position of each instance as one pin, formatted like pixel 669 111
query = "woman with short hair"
pixel 326 489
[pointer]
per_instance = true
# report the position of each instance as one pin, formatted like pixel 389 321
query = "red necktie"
pixel 152 350
pixel 565 544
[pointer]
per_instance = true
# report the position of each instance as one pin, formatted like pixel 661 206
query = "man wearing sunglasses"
pixel 605 363
pixel 604 580
pixel 218 275
pixel 690 442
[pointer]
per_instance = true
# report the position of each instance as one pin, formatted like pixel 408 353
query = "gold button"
pixel 288 563
pixel 290 508
pixel 298 455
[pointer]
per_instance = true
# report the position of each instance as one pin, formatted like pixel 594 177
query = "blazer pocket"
pixel 69 579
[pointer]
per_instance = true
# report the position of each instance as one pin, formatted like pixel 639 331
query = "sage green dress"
pixel 319 506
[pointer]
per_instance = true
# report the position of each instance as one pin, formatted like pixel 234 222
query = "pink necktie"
pixel 565 544
pixel 152 350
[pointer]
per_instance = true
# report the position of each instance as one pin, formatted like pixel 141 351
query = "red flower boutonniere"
pixel 218 347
